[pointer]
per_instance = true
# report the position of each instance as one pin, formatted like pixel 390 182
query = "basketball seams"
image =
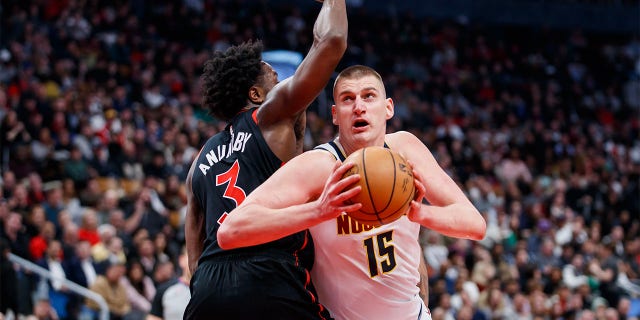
pixel 379 185
pixel 404 203
pixel 393 187
pixel 366 181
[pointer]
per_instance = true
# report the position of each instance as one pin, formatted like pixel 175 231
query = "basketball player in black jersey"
pixel 266 122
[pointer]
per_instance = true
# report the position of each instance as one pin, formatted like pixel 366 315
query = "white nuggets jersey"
pixel 364 272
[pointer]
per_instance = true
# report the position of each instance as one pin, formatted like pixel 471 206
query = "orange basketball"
pixel 387 185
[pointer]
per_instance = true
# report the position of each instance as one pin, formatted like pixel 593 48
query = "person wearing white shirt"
pixel 573 273
pixel 82 267
pixel 58 293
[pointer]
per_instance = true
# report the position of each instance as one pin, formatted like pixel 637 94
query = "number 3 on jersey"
pixel 232 191
pixel 385 250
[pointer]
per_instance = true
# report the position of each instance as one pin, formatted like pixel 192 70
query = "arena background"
pixel 532 105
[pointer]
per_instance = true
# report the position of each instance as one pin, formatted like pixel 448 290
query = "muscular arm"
pixel 194 226
pixel 291 200
pixel 293 95
pixel 450 212
pixel 285 104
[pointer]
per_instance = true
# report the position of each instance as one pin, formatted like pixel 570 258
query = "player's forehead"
pixel 358 84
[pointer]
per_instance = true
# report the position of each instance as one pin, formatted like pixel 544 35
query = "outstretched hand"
pixel 416 203
pixel 337 192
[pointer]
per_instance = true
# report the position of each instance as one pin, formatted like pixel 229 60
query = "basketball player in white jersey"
pixel 360 272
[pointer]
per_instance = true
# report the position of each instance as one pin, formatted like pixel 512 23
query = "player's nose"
pixel 359 106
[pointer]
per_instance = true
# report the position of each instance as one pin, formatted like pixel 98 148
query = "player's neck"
pixel 349 148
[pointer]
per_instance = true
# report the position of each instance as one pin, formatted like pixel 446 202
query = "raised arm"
pixel 293 95
pixel 291 200
pixel 449 212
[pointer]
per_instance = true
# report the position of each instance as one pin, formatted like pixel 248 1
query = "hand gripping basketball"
pixel 387 183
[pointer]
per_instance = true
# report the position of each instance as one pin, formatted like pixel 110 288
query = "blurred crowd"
pixel 100 119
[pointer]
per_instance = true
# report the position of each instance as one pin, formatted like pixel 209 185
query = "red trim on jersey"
pixel 254 115
pixel 304 245
pixel 308 280
pixel 320 312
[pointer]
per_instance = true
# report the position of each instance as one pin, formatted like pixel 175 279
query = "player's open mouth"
pixel 360 124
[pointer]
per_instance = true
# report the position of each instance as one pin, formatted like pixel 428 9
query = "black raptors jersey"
pixel 269 281
pixel 230 165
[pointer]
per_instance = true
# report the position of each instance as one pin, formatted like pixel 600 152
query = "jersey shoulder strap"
pixel 334 148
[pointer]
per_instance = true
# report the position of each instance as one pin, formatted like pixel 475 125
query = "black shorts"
pixel 252 287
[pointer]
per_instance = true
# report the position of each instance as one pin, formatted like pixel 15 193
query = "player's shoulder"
pixel 407 144
pixel 401 138
pixel 316 157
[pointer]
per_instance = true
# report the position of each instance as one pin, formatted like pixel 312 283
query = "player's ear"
pixel 257 95
pixel 333 115
pixel 390 108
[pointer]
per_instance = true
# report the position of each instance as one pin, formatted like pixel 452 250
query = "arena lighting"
pixel 285 62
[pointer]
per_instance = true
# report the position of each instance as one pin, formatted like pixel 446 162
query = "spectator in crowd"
pixel 9 280
pixel 76 168
pixel 53 203
pixel 146 255
pixel 14 234
pixel 164 270
pixel 42 310
pixel 140 290
pixel 149 212
pixel 56 291
pixel 36 189
pixel 39 243
pixel 172 297
pixel 573 273
pixel 34 221
pixel 110 287
pixel 88 230
pixel 435 252
pixel 82 268
pixel 69 239
pixel 605 269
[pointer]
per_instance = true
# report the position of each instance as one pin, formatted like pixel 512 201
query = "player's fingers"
pixel 420 190
pixel 335 175
pixel 344 182
pixel 414 209
pixel 343 167
pixel 352 207
pixel 348 193
pixel 416 173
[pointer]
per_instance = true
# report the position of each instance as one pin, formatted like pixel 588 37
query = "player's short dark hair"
pixel 227 78
pixel 355 72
